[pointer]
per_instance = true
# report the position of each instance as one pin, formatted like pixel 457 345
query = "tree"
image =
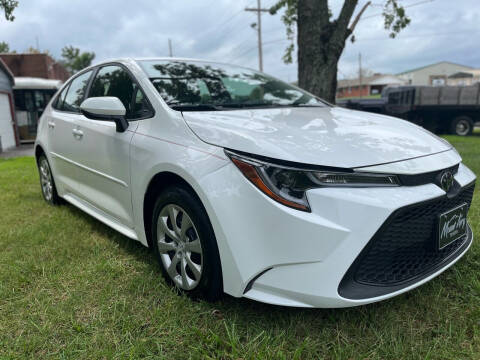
pixel 74 60
pixel 8 6
pixel 4 47
pixel 32 50
pixel 321 39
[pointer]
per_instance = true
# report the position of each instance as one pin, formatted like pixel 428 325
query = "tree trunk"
pixel 318 76
pixel 320 45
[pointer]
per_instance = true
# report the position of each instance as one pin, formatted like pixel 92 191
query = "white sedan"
pixel 243 184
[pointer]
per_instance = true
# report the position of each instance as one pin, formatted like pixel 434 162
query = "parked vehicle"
pixel 241 183
pixel 31 97
pixel 451 109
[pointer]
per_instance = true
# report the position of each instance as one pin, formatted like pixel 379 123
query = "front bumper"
pixel 282 256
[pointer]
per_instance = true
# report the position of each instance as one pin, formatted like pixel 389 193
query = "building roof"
pixel 36 83
pixel 7 71
pixel 461 75
pixel 437 63
pixel 465 74
pixel 35 65
pixel 377 79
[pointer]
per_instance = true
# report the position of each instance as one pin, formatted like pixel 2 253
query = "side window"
pixel 114 81
pixel 58 104
pixel 141 108
pixel 76 93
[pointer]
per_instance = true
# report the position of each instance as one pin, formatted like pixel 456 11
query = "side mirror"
pixel 106 108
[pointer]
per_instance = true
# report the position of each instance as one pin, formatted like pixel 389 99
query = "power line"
pixel 216 28
pixel 240 46
pixel 405 7
pixel 274 30
pixel 420 36
pixel 250 49
pixel 233 29
pixel 254 47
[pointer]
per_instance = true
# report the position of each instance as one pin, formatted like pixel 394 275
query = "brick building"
pixel 35 79
pixel 35 65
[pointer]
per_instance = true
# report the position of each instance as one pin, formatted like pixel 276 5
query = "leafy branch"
pixel 8 6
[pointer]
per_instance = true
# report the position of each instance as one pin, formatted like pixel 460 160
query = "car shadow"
pixel 241 309
pixel 132 247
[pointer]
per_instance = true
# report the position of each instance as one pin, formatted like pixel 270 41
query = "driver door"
pixel 103 152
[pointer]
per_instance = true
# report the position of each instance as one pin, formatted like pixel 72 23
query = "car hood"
pixel 328 136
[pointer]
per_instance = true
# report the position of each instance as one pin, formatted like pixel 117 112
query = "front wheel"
pixel 185 245
pixel 462 126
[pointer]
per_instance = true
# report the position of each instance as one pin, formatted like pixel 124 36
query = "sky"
pixel 220 30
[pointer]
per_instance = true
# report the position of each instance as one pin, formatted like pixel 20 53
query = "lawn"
pixel 70 287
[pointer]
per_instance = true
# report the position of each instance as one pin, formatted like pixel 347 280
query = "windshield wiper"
pixel 244 105
pixel 267 105
pixel 208 107
pixel 306 105
pixel 193 107
pixel 175 105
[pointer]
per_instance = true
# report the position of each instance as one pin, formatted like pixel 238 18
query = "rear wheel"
pixel 185 245
pixel 462 126
pixel 49 191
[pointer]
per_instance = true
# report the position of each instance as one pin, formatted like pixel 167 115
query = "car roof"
pixel 130 60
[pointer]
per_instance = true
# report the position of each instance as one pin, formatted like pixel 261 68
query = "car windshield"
pixel 193 86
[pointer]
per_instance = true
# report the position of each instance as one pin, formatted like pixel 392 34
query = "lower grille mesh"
pixel 405 247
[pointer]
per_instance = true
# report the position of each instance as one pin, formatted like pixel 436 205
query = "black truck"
pixel 440 109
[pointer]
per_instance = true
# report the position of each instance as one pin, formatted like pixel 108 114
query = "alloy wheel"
pixel 179 247
pixel 46 180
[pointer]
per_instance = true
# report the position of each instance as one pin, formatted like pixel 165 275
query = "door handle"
pixel 77 133
pixel 51 124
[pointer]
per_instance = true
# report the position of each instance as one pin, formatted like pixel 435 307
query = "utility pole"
pixel 259 11
pixel 170 52
pixel 360 72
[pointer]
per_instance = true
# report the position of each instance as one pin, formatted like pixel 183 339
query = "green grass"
pixel 72 288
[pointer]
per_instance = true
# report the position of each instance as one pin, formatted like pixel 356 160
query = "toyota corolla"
pixel 246 185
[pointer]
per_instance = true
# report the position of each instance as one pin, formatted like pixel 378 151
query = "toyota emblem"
pixel 446 181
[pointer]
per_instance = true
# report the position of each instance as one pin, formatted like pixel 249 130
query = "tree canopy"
pixel 395 18
pixel 8 6
pixel 321 37
pixel 4 47
pixel 74 60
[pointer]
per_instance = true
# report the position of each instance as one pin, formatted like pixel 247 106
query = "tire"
pixel 184 244
pixel 461 126
pixel 47 183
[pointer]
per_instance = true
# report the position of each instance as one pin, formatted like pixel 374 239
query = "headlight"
pixel 288 185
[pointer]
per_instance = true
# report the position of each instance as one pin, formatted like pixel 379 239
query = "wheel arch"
pixel 157 184
pixel 39 151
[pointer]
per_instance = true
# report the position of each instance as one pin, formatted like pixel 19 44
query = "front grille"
pixel 405 247
pixel 425 178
